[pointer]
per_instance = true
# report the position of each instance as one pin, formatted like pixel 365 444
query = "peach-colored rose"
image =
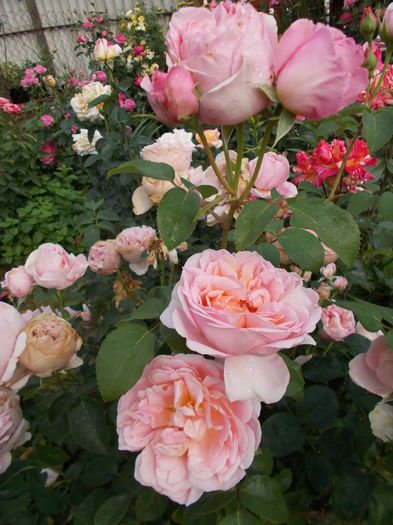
pixel 133 243
pixel 51 344
pixel 337 323
pixel 240 307
pixel 52 267
pixel 212 136
pixel 373 370
pixel 324 291
pixel 18 282
pixel 193 438
pixel 104 258
pixel 11 328
pixel 13 428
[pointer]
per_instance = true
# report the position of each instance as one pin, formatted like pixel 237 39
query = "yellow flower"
pixel 134 23
pixel 141 18
pixel 143 42
pixel 122 25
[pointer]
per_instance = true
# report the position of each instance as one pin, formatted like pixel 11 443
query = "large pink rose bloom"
pixel 193 438
pixel 240 307
pixel 319 70
pixel 373 370
pixel 11 326
pixel 229 51
pixel 13 428
pixel 52 267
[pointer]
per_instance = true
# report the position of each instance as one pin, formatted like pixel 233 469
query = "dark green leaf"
pixel 150 506
pixel 151 309
pixel 122 357
pixel 268 252
pixel 296 381
pixel 98 100
pixel 262 495
pixel 318 407
pixel 319 472
pixel 207 191
pixel 251 222
pixel 240 518
pixel 88 426
pixel 303 248
pixel 385 206
pixel 377 128
pixel 212 502
pixel 147 168
pixel 285 124
pixel 282 434
pixel 263 462
pixel 113 510
pixel 351 495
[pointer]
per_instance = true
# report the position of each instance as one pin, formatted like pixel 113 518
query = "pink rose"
pixel 274 173
pixel 104 258
pixel 18 282
pixel 100 76
pixel 52 267
pixel 193 438
pixel 337 323
pixel 13 428
pixel 133 245
pixel 88 25
pixel 3 101
pixel 387 24
pixel 11 326
pixel 120 39
pixel 240 307
pixel 360 330
pixel 373 370
pixel 312 60
pixel 11 108
pixel 47 120
pixel 174 148
pixel 329 270
pixel 50 148
pixel 229 52
pixel 105 50
pixel 340 283
pixel 39 69
pixel 126 103
pixel 171 95
pixel 82 39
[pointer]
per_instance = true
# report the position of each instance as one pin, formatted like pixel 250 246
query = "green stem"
pixel 227 157
pixel 343 164
pixel 227 225
pixel 129 292
pixel 261 154
pixel 240 146
pixel 375 92
pixel 162 266
pixel 60 304
pixel 211 160
pixel 327 349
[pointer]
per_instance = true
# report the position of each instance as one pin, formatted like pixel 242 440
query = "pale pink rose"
pixel 340 283
pixel 329 270
pixel 11 326
pixel 52 267
pixel 360 330
pixel 273 173
pixel 240 307
pixel 39 69
pixel 105 50
pixel 337 323
pixel 373 370
pixel 133 244
pixel 13 428
pixel 47 120
pixel 229 52
pixel 85 314
pixel 171 95
pixel 3 101
pixel 174 148
pixel 312 60
pixel 387 23
pixel 104 258
pixel 18 282
pixel 193 438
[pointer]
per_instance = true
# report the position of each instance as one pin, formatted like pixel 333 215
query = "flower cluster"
pixel 325 161
pixel 80 102
pixel 8 107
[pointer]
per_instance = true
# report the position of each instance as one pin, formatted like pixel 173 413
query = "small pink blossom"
pixel 100 76
pixel 39 69
pixel 346 18
pixel 337 323
pixel 3 101
pixel 82 39
pixel 126 103
pixel 329 270
pixel 340 283
pixel 67 115
pixel 74 129
pixel 104 33
pixel 88 25
pixel 50 148
pixel 47 120
pixel 11 108
pixel 18 282
pixel 139 51
pixel 133 245
pixel 100 19
pixel 137 81
pixel 120 39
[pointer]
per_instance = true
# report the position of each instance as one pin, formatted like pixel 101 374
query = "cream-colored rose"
pixel 381 421
pixel 82 146
pixel 150 193
pixel 80 102
pixel 51 345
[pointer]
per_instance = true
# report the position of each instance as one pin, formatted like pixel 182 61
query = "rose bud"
pixel 18 282
pixel 133 244
pixel 368 23
pixel 51 345
pixel 104 258
pixel 387 25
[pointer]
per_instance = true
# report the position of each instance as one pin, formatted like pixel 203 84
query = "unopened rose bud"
pixel 368 23
pixel 340 283
pixel 329 270
pixel 324 291
pixel 51 345
pixel 18 282
pixel 104 258
pixel 387 25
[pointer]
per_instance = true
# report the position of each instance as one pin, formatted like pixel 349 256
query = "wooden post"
pixel 37 25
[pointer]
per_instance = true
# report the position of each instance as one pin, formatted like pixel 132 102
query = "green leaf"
pixel 268 252
pixel 383 509
pixel 108 215
pixel 151 309
pixel 150 506
pixel 284 479
pixel 269 91
pixel 212 502
pixel 88 426
pixel 385 206
pixel 147 168
pixel 207 191
pixel 319 406
pixel 123 355
pixel 377 128
pixel 253 218
pixel 319 472
pixel 370 315
pixel 49 455
pixel 389 339
pixel 296 381
pixel 113 510
pixel 360 202
pixel 335 227
pixel 282 434
pixel 98 100
pixel 382 236
pixel 175 216
pixel 351 495
pixel 240 518
pixel 285 123
pixel 263 462
pixel 303 248
pixel 262 495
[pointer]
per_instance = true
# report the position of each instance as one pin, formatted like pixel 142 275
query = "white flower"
pixel 381 421
pixel 82 146
pixel 80 102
